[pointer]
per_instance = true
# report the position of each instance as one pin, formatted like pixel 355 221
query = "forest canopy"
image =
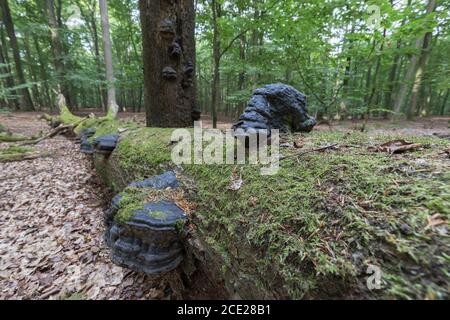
pixel 351 58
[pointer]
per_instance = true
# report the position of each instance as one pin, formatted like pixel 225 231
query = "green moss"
pixel 160 215
pixel 14 149
pixel 132 199
pixel 66 117
pixel 12 137
pixel 325 216
pixel 143 152
pixel 14 153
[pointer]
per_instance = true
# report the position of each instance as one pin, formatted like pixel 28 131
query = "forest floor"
pixel 51 218
pixel 51 226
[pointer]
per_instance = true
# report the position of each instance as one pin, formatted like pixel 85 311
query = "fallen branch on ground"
pixel 300 154
pixel 23 156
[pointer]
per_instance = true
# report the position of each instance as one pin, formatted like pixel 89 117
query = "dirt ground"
pixel 51 217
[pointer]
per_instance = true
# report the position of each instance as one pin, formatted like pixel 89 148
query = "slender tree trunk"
pixel 37 97
pixel 43 74
pixel 113 108
pixel 444 103
pixel 169 62
pixel 9 80
pixel 374 83
pixel 241 80
pixel 27 102
pixel 57 49
pixel 215 93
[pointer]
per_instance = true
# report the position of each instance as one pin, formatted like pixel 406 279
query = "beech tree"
pixel 27 102
pixel 169 62
pixel 113 108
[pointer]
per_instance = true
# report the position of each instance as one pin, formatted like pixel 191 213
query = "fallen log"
pixel 12 137
pixel 311 231
pixel 13 157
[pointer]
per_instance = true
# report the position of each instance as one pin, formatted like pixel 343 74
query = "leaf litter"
pixel 51 230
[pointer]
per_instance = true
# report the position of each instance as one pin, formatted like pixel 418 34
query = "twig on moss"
pixel 300 154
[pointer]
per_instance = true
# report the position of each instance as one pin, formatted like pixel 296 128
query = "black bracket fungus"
pixel 163 181
pixel 167 29
pixel 169 73
pixel 149 241
pixel 276 106
pixel 106 144
pixel 85 145
pixel 189 69
pixel 175 50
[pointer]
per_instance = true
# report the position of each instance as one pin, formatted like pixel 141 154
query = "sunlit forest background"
pixel 351 58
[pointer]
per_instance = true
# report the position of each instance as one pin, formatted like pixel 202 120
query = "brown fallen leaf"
pixel 435 220
pixel 396 146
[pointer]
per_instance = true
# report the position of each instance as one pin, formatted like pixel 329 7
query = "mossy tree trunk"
pixel 169 62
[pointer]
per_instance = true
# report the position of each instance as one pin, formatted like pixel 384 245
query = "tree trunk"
pixel 215 93
pixel 417 87
pixel 169 62
pixel 57 48
pixel 113 108
pixel 413 65
pixel 6 70
pixel 444 103
pixel 43 74
pixel 27 102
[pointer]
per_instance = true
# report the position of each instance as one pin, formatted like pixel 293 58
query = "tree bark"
pixel 412 69
pixel 27 102
pixel 444 103
pixel 113 108
pixel 169 62
pixel 417 87
pixel 57 48
pixel 215 94
pixel 9 80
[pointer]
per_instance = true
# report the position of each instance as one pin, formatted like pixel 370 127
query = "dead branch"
pixel 298 155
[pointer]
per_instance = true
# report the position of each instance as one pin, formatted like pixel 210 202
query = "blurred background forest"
pixel 351 58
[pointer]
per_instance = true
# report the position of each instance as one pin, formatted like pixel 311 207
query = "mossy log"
pixel 19 153
pixel 310 231
pixel 12 137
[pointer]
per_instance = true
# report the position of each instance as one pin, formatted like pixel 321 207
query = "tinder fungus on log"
pixel 150 241
pixel 276 106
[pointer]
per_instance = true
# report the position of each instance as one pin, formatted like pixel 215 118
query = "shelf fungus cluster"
pixel 103 144
pixel 149 238
pixel 177 56
pixel 143 235
pixel 276 106
pixel 85 145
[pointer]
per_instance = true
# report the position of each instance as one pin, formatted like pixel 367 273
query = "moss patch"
pixel 136 198
pixel 160 215
pixel 143 152
pixel 317 225
pixel 132 199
